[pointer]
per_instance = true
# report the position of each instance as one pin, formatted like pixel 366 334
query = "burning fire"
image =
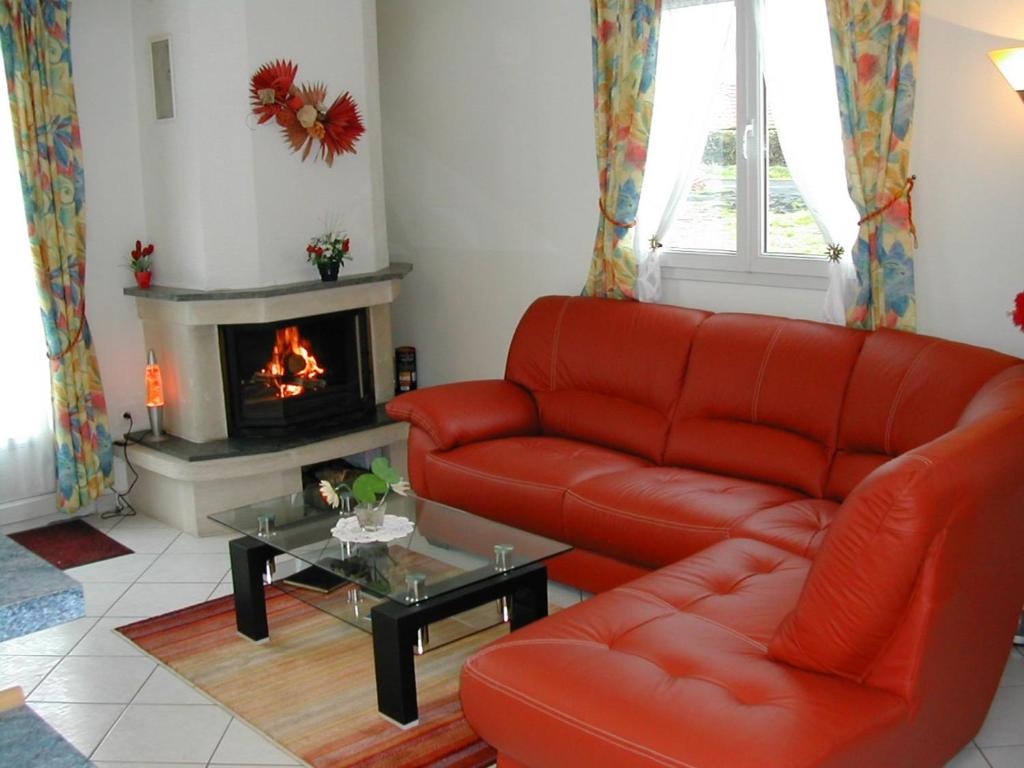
pixel 291 360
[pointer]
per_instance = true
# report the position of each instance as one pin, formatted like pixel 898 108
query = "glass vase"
pixel 371 517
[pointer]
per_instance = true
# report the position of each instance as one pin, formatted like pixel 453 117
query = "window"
pixel 26 437
pixel 745 176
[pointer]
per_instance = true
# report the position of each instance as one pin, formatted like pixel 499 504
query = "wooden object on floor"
pixel 11 698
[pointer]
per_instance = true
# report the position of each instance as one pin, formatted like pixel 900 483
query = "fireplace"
pixel 303 375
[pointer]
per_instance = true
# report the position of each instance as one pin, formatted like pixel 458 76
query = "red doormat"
pixel 311 688
pixel 70 544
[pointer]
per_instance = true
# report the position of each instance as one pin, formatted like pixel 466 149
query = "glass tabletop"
pixel 446 548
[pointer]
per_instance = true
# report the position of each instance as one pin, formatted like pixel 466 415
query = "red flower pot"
pixel 142 279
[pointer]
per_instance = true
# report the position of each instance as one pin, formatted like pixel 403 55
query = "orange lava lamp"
pixel 154 397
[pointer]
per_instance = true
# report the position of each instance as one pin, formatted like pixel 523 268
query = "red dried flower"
pixel 1018 311
pixel 270 90
pixel 343 125
pixel 275 96
pixel 138 252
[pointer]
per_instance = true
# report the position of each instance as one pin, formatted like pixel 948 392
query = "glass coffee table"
pixel 449 561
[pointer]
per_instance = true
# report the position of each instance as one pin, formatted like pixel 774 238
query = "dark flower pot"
pixel 328 272
pixel 142 279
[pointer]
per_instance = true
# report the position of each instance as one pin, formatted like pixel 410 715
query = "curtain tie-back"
pixel 74 339
pixel 908 188
pixel 604 212
pixel 655 243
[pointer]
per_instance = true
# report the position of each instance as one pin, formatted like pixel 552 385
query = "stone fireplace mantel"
pixel 180 325
pixel 182 485
pixel 188 306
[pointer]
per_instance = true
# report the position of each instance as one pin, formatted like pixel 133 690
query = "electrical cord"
pixel 123 507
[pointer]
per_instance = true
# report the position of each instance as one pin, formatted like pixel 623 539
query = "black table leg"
pixel 248 559
pixel 395 625
pixel 529 600
pixel 394 633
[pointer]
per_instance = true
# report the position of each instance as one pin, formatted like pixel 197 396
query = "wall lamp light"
pixel 1010 62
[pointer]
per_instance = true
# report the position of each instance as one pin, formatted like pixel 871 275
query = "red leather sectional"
pixel 808 541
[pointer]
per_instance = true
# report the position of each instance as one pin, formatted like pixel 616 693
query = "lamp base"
pixel 156 424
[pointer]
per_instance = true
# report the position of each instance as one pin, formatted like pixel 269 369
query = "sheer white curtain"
pixel 26 432
pixel 801 86
pixel 693 39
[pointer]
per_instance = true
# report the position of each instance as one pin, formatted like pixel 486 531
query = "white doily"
pixel 395 527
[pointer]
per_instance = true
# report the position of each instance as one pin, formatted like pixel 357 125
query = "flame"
pixel 288 347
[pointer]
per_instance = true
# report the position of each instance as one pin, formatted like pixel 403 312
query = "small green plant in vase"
pixel 370 492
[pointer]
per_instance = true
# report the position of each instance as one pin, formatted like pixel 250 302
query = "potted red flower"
pixel 141 265
pixel 327 252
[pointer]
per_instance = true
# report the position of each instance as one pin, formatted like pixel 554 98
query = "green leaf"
pixel 367 487
pixel 382 468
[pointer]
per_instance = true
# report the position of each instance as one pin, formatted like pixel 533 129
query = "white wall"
pixel 489 169
pixel 334 43
pixel 491 181
pixel 969 159
pixel 197 171
pixel 229 204
pixel 104 74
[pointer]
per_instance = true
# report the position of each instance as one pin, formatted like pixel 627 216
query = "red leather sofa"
pixel 808 541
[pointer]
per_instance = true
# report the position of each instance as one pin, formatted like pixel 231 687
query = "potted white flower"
pixel 370 491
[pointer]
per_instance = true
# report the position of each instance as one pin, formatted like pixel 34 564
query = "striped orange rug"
pixel 311 689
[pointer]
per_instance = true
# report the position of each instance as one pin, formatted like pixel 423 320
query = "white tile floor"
pixel 122 709
pixel 107 698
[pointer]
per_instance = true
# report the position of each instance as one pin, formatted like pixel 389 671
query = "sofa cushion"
pixel 865 572
pixel 670 670
pixel 762 399
pixel 520 480
pixel 905 390
pixel 607 372
pixel 656 516
pixel 797 526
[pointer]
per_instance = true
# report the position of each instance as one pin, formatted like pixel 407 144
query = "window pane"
pixel 706 219
pixel 808 201
pixel 792 228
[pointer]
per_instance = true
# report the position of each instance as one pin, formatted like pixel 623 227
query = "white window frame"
pixel 750 264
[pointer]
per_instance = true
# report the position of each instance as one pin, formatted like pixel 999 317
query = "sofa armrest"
pixel 468 411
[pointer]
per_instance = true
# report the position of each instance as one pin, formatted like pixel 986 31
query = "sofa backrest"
pixel 918 586
pixel 974 562
pixel 905 390
pixel 762 399
pixel 603 371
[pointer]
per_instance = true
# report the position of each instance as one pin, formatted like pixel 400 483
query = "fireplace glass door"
pixel 305 375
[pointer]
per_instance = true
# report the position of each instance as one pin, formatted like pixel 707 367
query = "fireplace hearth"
pixel 302 375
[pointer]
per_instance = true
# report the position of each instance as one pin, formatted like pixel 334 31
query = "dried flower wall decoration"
pixel 301 112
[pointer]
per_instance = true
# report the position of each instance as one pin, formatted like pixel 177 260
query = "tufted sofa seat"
pixel 675 673
pixel 805 538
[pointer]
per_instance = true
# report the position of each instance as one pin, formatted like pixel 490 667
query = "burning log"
pixel 283 380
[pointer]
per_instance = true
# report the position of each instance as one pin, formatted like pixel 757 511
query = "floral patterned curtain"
pixel 34 35
pixel 625 40
pixel 874 44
